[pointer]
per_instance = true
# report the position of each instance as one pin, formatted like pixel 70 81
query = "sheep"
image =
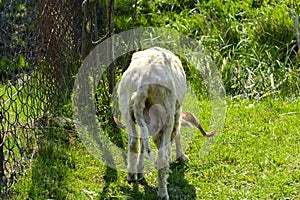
pixel 151 93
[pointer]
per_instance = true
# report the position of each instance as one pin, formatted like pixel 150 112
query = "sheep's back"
pixel 154 66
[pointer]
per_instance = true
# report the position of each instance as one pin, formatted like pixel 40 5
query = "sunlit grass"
pixel 256 156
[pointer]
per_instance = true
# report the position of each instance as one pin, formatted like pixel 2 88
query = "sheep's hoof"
pixel 142 181
pixel 164 197
pixel 140 176
pixel 183 158
pixel 132 178
pixel 131 182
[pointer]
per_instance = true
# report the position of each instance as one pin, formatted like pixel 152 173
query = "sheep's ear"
pixel 190 117
pixel 119 124
pixel 185 123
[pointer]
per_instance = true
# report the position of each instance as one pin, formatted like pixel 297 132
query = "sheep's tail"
pixel 138 100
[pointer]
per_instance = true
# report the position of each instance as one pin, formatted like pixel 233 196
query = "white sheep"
pixel 151 94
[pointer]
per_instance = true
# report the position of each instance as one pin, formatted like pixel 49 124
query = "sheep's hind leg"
pixel 140 167
pixel 163 171
pixel 163 159
pixel 132 152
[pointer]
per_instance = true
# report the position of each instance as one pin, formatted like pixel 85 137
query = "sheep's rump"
pixel 154 66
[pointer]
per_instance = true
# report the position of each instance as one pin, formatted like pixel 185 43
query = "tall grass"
pixel 249 40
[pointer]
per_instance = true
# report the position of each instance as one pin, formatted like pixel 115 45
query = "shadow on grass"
pixel 140 190
pixel 54 163
pixel 51 165
pixel 178 186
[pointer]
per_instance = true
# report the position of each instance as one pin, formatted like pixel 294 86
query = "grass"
pixel 21 104
pixel 21 98
pixel 255 157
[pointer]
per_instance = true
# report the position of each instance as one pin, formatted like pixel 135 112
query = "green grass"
pixel 255 157
pixel 22 99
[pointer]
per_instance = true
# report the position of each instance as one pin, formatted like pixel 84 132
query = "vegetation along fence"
pixel 38 57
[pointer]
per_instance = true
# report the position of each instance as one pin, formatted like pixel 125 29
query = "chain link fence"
pixel 39 55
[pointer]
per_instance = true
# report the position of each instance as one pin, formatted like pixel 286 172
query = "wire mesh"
pixel 39 55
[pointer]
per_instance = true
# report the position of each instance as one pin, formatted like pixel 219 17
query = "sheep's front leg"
pixel 180 155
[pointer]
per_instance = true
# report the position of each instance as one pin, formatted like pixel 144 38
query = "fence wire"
pixel 39 55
